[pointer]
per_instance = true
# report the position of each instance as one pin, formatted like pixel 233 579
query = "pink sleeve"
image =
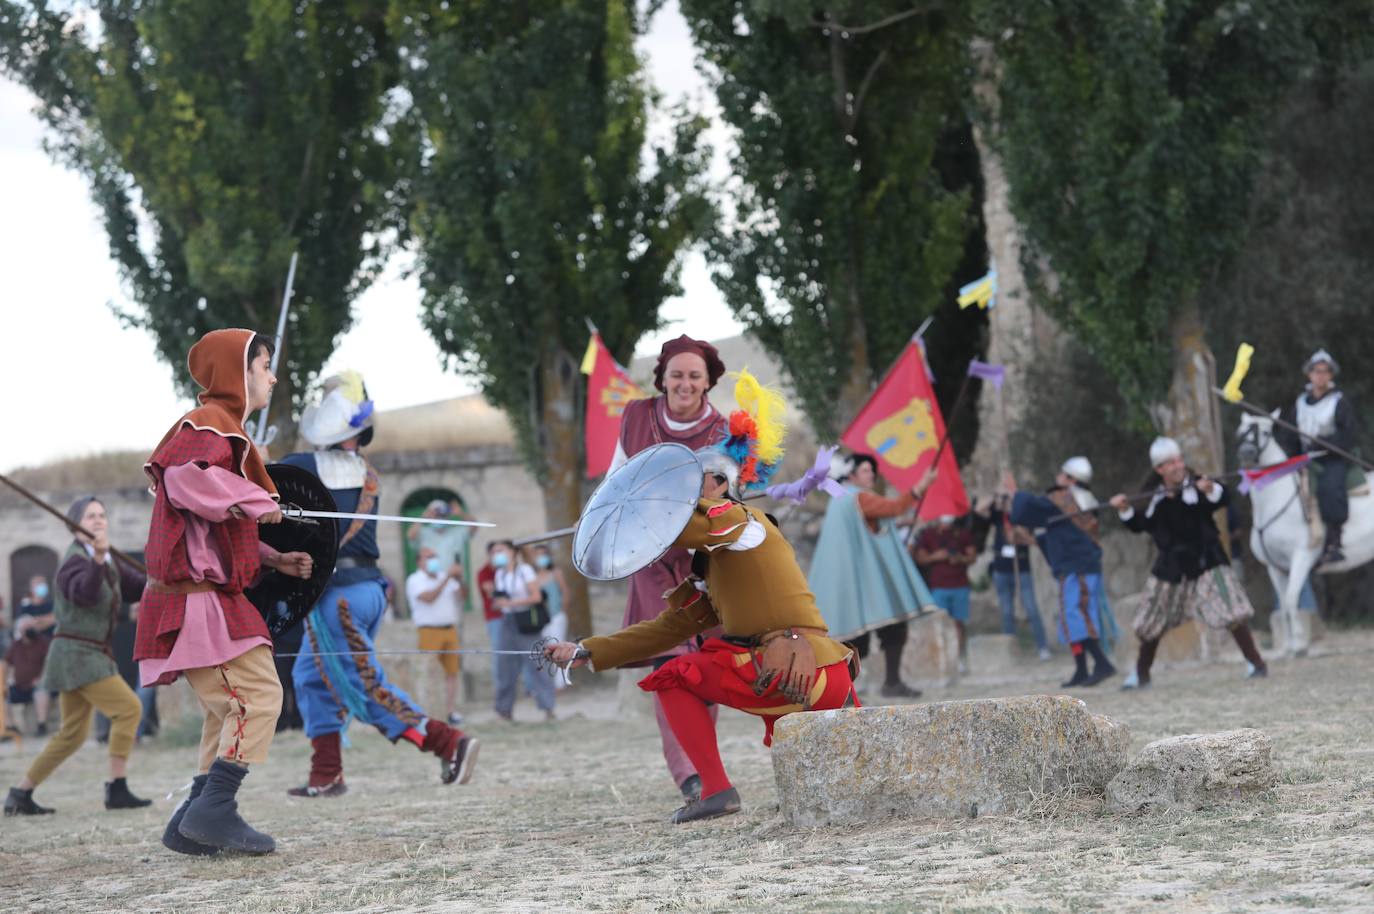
pixel 209 492
pixel 266 552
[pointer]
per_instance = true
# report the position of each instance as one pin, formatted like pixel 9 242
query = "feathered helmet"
pixel 342 413
pixel 752 449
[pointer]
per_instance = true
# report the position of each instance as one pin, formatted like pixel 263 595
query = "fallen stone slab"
pixel 951 759
pixel 1191 772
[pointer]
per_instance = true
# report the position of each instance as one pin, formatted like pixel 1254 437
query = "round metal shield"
pixel 637 512
pixel 282 599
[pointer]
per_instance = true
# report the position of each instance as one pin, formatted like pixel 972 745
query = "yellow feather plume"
pixel 351 383
pixel 767 407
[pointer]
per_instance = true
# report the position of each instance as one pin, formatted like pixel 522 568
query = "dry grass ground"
pixel 570 816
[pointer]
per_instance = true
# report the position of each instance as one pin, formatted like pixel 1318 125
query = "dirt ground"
pixel 571 816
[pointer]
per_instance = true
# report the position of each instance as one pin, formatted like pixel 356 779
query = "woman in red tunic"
pixel 687 369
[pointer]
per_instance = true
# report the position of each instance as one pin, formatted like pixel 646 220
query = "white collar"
pixel 90 552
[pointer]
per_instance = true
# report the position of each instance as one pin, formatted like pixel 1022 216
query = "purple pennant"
pixel 987 372
pixel 818 477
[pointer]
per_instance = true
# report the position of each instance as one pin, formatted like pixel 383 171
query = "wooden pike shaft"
pixel 1252 408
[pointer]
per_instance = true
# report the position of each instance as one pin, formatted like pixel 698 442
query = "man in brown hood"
pixel 211 491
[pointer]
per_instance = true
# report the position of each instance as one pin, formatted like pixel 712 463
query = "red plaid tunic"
pixel 160 614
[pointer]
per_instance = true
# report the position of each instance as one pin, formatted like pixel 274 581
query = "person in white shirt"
pixel 435 596
pixel 517 594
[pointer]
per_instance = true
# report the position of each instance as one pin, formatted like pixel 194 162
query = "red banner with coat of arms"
pixel 901 426
pixel 609 389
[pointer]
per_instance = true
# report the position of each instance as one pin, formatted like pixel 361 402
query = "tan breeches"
pixel 110 696
pixel 242 699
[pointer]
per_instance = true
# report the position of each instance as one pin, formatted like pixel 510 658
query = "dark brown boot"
pixel 724 803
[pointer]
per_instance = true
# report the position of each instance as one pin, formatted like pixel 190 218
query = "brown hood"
pixel 218 362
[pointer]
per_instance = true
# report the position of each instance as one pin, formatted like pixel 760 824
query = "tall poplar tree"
pixel 541 206
pixel 219 136
pixel 855 202
pixel 1132 134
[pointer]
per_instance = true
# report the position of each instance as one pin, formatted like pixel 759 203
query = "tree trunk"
pixel 1192 415
pixel 858 384
pixel 565 462
pixel 1019 333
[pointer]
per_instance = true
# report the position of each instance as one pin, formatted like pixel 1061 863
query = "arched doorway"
pixel 414 506
pixel 25 562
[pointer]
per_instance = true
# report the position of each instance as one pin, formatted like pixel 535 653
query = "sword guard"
pixel 296 514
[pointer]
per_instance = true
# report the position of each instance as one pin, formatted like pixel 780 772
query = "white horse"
pixel 1282 532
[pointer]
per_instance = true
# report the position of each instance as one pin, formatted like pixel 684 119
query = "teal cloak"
pixel 862 580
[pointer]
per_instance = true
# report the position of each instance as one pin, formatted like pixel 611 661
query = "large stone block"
pixel 1190 772
pixel 945 760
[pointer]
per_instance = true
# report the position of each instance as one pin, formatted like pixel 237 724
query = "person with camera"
pixel 516 594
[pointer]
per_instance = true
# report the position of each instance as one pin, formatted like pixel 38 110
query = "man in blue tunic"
pixel 332 685
pixel 862 576
pixel 1068 538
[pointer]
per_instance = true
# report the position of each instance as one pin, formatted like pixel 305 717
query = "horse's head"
pixel 1252 437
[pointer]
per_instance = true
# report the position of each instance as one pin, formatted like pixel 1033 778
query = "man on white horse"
pixel 1192 575
pixel 1322 411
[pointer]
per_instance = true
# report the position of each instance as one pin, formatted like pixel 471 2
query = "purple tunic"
pixel 645 423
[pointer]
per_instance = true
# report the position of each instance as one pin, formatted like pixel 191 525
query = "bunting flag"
pixel 1232 389
pixel 981 292
pixel 1256 479
pixel 609 390
pixel 901 426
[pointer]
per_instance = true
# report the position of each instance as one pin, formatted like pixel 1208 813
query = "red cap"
pixel 714 366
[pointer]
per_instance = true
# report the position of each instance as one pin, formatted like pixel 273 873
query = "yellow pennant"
pixel 1232 389
pixel 589 357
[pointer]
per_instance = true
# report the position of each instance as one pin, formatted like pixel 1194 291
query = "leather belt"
pixel 182 587
pixel 96 642
pixel 761 640
pixel 355 561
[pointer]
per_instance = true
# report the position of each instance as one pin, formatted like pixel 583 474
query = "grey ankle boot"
pixel 213 818
pixel 171 836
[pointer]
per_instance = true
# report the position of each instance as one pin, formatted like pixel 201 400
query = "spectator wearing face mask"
pixel 516 591
pixel 435 594
pixel 555 589
pixel 37 605
pixel 35 608
pixel 25 657
pixel 447 542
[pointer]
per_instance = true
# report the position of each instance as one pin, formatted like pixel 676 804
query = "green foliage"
pixel 1132 133
pixel 1305 274
pixel 851 216
pixel 540 205
pixel 218 136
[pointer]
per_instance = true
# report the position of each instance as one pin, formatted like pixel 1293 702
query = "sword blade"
pixel 291 512
pixel 545 537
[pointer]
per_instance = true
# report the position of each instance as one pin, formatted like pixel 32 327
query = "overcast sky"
pixel 75 382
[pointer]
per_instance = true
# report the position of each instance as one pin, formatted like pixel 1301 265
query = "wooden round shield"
pixel 284 600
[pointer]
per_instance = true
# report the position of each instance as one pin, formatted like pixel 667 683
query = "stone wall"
pixel 491 480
